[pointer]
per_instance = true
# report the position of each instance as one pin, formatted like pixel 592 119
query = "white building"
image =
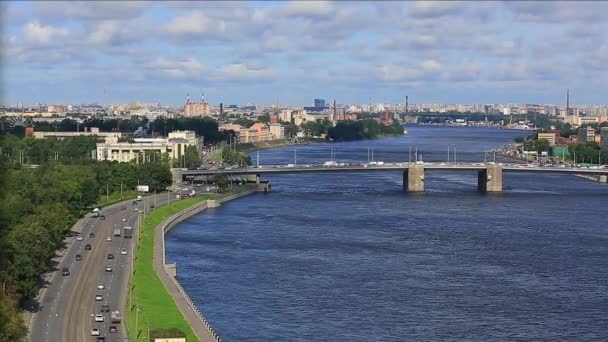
pixel 143 149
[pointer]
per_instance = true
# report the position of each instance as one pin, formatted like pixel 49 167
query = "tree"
pixel 542 145
pixel 291 131
pixel 221 182
pixel 191 157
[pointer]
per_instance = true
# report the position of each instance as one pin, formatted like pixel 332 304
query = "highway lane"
pixel 69 304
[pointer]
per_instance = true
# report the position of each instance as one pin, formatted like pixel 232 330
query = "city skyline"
pixel 290 53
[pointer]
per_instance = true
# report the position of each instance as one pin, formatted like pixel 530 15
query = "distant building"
pixel 143 150
pixel 196 108
pixel 319 103
pixel 604 138
pixel 86 132
pixel 552 137
pixel 277 131
pixel 586 134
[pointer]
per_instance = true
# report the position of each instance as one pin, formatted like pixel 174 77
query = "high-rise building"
pixel 586 134
pixel 604 138
pixel 319 103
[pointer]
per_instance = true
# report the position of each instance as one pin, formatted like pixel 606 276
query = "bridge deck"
pixel 282 169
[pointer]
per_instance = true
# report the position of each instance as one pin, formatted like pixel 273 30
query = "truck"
pixel 117 232
pixel 115 317
pixel 127 232
pixel 95 212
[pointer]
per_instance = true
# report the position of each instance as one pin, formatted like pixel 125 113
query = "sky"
pixel 292 52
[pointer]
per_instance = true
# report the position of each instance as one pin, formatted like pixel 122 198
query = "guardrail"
pixel 196 310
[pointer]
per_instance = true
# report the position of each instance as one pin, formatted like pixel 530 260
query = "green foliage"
pixel 244 122
pixel 540 145
pixel 221 182
pixel 588 152
pixel 291 130
pixel 264 118
pixel 316 128
pixel 37 151
pixel 12 327
pixel 232 156
pixel 519 139
pixel 364 129
pixel 192 159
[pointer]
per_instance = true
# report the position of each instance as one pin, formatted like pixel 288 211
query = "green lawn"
pixel 155 303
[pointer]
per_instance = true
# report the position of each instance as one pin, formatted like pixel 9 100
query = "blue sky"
pixel 291 52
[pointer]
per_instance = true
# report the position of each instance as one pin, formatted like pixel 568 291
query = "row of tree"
pixel 38 206
pixel 363 129
pixel 203 126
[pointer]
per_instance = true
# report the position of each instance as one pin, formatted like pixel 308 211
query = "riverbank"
pixel 252 147
pixel 154 290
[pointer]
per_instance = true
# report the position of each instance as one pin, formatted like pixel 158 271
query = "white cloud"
pixel 428 9
pixel 241 71
pixel 177 69
pixel 89 10
pixel 309 9
pixel 39 35
pixel 194 24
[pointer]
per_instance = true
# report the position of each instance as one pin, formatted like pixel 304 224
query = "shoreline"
pixel 167 273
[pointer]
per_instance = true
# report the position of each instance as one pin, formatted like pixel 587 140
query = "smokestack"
pixel 567 101
pixel 203 97
pixel 221 109
pixel 406 104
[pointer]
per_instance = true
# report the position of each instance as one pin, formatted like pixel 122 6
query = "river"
pixel 351 257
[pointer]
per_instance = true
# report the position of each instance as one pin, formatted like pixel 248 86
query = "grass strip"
pixel 156 306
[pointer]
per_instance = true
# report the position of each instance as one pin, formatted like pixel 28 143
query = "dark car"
pixel 102 217
pixel 113 329
pixel 87 247
pixel 101 339
pixel 65 271
pixel 110 256
pixel 92 235
pixel 151 205
pixel 105 308
pixel 78 257
pixel 134 202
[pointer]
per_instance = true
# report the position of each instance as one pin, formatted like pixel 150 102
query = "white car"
pixel 98 298
pixel 95 332
pixel 109 238
pixel 124 220
pixel 100 286
pixel 108 268
pixel 135 209
pixel 98 318
pixel 79 238
pixel 123 251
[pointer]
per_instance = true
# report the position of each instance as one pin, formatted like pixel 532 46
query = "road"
pixel 435 166
pixel 69 304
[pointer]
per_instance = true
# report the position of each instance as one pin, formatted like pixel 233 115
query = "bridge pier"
pixel 490 179
pixel 603 179
pixel 413 178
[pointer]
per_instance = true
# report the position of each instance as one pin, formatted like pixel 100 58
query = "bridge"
pixel 489 175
